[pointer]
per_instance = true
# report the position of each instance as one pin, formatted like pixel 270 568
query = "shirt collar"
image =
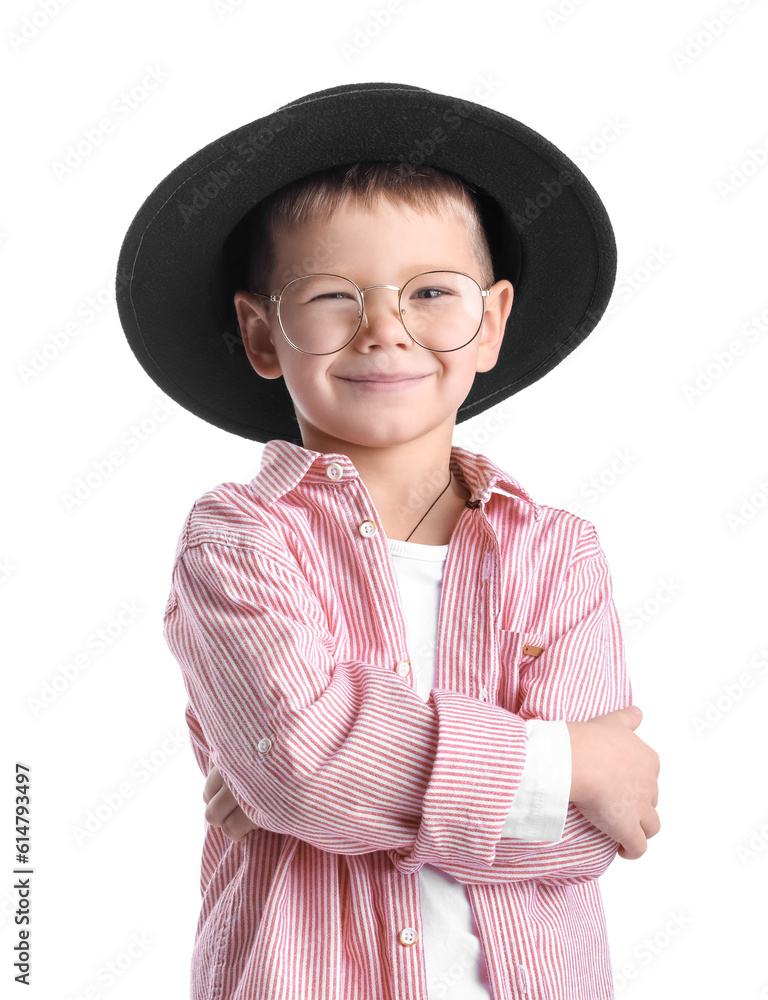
pixel 284 465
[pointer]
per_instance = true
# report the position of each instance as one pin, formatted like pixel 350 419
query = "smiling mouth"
pixel 382 379
pixel 386 383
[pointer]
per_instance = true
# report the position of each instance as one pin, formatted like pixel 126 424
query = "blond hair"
pixel 319 195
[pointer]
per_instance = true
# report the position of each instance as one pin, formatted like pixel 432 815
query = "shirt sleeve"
pixel 581 673
pixel 338 753
pixel 540 805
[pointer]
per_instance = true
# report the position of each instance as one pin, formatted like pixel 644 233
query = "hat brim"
pixel 548 231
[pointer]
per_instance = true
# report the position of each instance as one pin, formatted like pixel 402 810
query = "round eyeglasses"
pixel 321 313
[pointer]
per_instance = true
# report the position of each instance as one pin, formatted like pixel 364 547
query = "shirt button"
pixel 408 936
pixel 403 667
pixel 367 528
pixel 334 471
pixel 484 695
pixel 264 745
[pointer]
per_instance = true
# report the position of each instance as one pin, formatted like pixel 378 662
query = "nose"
pixel 381 322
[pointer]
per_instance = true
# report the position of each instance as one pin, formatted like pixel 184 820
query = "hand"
pixel 222 809
pixel 614 779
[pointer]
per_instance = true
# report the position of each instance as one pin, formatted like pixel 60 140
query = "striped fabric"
pixel 284 615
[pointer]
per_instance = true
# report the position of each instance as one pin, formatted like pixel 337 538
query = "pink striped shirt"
pixel 285 618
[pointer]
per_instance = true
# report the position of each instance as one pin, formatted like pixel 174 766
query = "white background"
pixel 682 517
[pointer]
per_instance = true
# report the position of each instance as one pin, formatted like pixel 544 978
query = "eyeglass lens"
pixel 321 313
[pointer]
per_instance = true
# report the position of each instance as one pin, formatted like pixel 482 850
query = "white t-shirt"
pixel 455 965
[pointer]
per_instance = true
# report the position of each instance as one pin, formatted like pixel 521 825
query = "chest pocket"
pixel 517 652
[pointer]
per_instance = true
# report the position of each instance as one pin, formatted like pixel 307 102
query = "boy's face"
pixel 337 397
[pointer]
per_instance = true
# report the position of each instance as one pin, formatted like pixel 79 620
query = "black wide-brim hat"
pixel 184 254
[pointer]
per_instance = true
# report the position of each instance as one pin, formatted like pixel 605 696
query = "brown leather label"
pixel 533 650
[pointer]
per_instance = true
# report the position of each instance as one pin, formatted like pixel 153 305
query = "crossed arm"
pixel 613 786
pixel 245 610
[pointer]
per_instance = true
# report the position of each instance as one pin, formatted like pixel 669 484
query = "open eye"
pixel 429 293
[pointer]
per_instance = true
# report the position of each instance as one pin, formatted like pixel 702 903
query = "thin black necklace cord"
pixel 450 476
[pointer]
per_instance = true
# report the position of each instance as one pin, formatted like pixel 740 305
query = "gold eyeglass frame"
pixel 484 292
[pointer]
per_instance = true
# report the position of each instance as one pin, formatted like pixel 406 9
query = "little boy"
pixel 406 678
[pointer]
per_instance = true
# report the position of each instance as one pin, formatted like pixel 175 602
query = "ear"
pixel 498 306
pixel 255 328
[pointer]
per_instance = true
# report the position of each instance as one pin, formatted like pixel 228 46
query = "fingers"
pixel 631 716
pixel 635 844
pixel 634 847
pixel 636 850
pixel 213 783
pixel 622 792
pixel 224 812
pixel 219 807
pixel 633 853
pixel 237 825
pixel 651 824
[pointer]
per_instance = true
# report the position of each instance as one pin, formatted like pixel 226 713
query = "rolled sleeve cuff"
pixel 540 804
pixel 479 761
